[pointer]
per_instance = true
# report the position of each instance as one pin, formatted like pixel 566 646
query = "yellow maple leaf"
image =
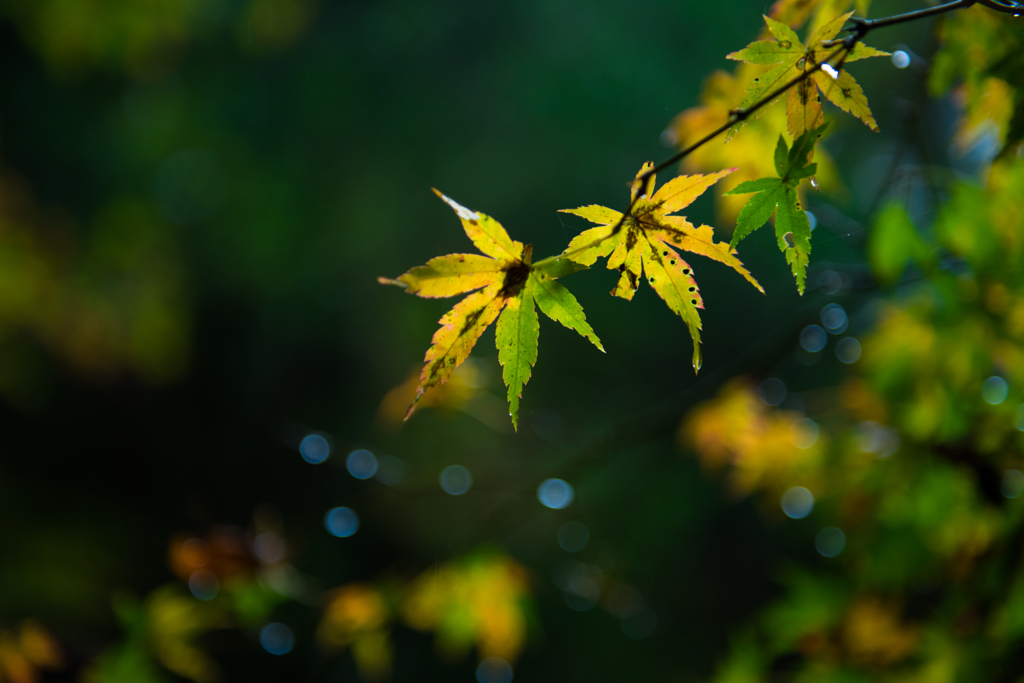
pixel 646 240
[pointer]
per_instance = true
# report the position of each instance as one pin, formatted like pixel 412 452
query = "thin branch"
pixel 865 25
pixel 1007 6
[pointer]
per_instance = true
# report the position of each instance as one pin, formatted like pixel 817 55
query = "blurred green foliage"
pixel 196 198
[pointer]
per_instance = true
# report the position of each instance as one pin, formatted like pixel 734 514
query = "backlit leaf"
pixel 507 283
pixel 788 59
pixel 778 196
pixel 516 338
pixel 560 305
pixel 646 240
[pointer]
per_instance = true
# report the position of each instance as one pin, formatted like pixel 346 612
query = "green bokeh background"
pixel 244 185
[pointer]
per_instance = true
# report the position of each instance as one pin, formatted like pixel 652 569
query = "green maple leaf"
pixel 508 285
pixel 778 196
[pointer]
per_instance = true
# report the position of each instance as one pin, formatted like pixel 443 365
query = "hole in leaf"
pixel 788 238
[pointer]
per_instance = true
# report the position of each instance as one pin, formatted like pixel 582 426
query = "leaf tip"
pixel 463 212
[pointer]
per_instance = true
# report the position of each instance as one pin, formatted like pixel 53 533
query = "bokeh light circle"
pixel 555 494
pixel 456 480
pixel 494 670
pixel 773 391
pixel 1012 484
pixel 804 433
pixel 848 350
pixel 361 464
pixel 341 522
pixel 830 541
pixel 994 390
pixel 834 319
pixel 797 502
pixel 276 638
pixel 314 449
pixel 813 338
pixel 269 547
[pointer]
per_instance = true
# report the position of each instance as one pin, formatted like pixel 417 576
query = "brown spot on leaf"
pixel 515 278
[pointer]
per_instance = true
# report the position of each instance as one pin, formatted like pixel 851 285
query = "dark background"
pixel 277 175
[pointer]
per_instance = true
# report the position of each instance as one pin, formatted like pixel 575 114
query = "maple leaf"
pixel 778 196
pixel 751 150
pixel 789 58
pixel 646 240
pixel 506 284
